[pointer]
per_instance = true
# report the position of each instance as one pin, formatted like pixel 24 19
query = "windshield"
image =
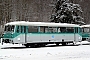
pixel 9 28
pixel 86 30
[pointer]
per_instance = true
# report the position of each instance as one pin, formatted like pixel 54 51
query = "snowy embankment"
pixel 81 52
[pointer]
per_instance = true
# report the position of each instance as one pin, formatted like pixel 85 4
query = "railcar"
pixel 85 32
pixel 41 33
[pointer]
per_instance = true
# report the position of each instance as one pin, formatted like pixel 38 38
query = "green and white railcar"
pixel 41 33
pixel 85 32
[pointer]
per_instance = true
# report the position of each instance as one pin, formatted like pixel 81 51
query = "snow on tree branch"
pixel 66 12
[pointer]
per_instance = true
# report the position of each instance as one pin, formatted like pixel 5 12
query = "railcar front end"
pixel 8 34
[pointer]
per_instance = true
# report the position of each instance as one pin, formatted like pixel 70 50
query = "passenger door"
pixel 76 34
pixel 23 31
pixel 25 34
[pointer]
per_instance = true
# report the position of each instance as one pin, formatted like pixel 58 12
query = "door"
pixel 25 33
pixel 75 34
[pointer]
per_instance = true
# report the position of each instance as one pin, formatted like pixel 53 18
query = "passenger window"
pixel 58 30
pixel 46 29
pixel 54 29
pixel 42 29
pixel 86 30
pixel 51 29
pixel 63 29
pixel 32 29
pixel 70 30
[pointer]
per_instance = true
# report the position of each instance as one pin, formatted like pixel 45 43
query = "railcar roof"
pixel 86 25
pixel 25 23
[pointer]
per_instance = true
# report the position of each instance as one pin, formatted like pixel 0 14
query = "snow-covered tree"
pixel 66 12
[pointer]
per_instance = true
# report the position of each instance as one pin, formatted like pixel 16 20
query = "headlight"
pixel 80 38
pixel 18 39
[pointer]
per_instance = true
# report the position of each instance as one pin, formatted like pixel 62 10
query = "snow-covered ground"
pixel 81 52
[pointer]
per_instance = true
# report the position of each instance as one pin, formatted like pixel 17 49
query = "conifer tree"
pixel 66 12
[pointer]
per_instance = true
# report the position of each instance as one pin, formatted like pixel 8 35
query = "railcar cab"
pixel 8 33
pixel 12 31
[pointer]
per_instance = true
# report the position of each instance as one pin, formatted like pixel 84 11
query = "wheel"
pixel 40 45
pixel 34 45
pixel 26 45
pixel 57 44
pixel 63 43
pixel 43 45
pixel 74 43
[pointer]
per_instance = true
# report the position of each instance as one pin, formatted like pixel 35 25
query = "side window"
pixel 24 29
pixel 17 29
pixel 12 28
pixel 50 29
pixel 32 29
pixel 70 30
pixel 86 30
pixel 42 29
pixel 54 29
pixel 46 29
pixel 80 30
pixel 76 30
pixel 63 29
pixel 58 30
pixel 21 29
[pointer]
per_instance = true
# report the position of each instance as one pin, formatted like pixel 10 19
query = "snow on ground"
pixel 81 52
